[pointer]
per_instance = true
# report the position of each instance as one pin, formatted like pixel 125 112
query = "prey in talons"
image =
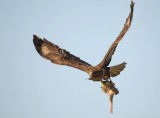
pixel 109 88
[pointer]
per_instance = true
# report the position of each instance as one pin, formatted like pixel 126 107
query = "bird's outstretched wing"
pixel 106 60
pixel 57 55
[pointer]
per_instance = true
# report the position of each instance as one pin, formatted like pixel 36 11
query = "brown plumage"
pixel 101 72
pixel 60 56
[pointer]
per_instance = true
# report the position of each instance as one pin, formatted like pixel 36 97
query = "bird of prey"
pixel 101 72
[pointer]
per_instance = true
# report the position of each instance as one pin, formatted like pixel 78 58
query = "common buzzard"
pixel 102 72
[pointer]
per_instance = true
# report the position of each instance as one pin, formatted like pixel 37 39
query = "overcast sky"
pixel 32 87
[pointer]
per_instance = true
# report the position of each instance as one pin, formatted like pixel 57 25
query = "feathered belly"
pixel 99 75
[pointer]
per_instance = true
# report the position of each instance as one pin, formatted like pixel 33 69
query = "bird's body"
pixel 100 72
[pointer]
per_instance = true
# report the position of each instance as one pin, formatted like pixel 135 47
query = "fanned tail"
pixel 115 70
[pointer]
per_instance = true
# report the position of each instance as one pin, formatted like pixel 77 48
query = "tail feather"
pixel 115 70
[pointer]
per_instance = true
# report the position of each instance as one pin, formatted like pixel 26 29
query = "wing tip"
pixel 132 5
pixel 124 63
pixel 35 37
pixel 38 42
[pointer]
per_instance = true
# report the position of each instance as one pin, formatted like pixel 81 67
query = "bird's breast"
pixel 96 75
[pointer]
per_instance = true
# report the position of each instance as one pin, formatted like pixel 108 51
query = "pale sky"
pixel 32 87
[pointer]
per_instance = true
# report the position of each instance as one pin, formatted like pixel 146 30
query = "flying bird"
pixel 101 72
pixel 60 56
